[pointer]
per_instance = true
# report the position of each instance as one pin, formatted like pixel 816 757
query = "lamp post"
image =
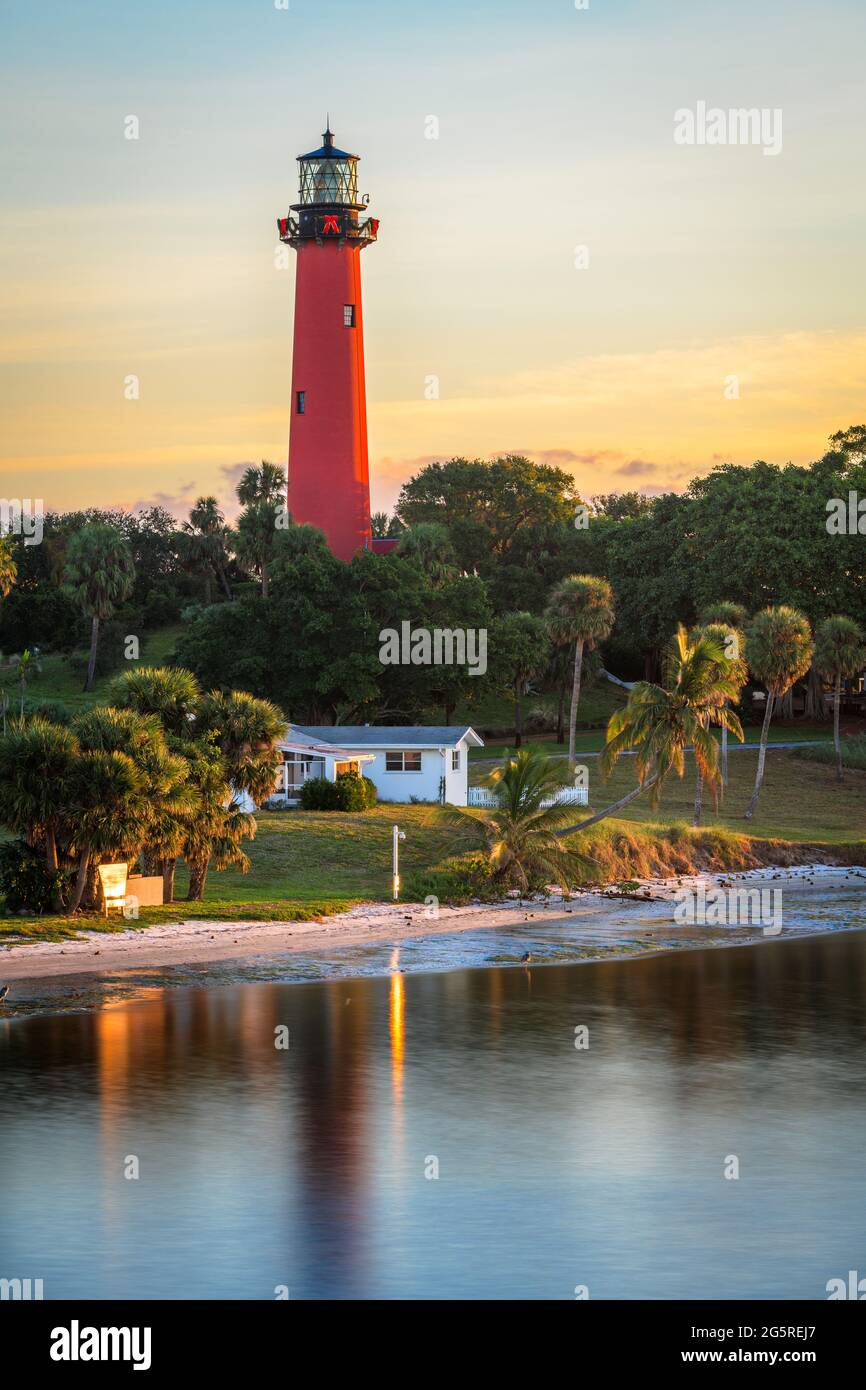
pixel 397 836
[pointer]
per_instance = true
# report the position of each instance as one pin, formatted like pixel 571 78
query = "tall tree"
pixel 839 653
pixel 203 544
pixel 581 614
pixel 486 506
pixel 779 653
pixel 520 650
pixel 727 622
pixel 37 760
pixel 658 723
pixel 428 545
pixel 384 526
pixel 262 493
pixel 733 668
pixel 99 573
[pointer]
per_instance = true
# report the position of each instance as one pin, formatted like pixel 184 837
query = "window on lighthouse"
pixel 302 402
pixel 348 316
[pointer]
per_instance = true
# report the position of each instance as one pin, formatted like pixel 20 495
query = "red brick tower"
pixel 329 484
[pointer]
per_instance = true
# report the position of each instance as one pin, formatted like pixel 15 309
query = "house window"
pixel 348 316
pixel 455 759
pixel 402 762
pixel 302 402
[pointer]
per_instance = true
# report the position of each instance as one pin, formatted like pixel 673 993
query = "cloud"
pixel 178 503
pixel 636 468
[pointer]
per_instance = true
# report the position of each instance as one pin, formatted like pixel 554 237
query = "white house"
pixel 403 762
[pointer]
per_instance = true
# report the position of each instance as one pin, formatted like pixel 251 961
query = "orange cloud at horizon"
pixel 616 421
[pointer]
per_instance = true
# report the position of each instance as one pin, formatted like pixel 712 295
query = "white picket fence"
pixel 566 796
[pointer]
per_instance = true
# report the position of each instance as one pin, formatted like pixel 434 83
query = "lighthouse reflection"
pixel 262 1166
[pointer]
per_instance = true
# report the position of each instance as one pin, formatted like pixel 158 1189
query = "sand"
pixel 202 942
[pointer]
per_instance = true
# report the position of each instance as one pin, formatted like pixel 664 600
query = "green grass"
pixel 58 682
pixel 311 864
pixel 495 713
pixel 800 801
pixel 593 741
pixel 853 753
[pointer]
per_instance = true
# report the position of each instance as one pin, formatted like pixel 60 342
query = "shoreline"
pixel 201 943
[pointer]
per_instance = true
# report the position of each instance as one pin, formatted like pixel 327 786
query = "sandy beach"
pixel 201 942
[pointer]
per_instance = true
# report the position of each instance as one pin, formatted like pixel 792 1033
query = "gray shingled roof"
pixel 391 736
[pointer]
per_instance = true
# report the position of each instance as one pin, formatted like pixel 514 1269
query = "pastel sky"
pixel 157 257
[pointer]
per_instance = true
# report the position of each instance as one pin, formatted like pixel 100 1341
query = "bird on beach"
pixel 4 990
pixel 527 956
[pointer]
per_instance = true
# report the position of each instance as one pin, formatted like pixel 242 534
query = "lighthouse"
pixel 329 483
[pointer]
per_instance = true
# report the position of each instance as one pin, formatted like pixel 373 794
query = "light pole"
pixel 397 836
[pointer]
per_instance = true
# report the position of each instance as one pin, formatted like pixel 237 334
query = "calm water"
pixel 557 1167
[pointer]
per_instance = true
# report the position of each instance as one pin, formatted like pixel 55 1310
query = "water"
pixel 557 1167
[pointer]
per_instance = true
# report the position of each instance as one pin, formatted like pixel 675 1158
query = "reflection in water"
pixel 261 1166
pixel 397 1018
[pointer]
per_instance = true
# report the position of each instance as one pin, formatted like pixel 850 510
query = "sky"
pixel 718 311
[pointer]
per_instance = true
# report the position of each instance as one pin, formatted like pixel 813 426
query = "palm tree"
pixel 779 653
pixel 839 652
pixel 27 663
pixel 99 573
pixel 428 545
pixel 732 644
pixel 109 803
pixel 214 832
pixel 580 611
pixel 37 760
pixel 8 567
pixel 521 832
pixel 264 482
pixel 162 796
pixel 170 692
pixel 730 614
pixel 384 526
pixel 660 722
pixel 245 731
pixel 262 493
pixel 203 544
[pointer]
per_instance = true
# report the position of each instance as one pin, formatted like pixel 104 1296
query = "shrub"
pixel 349 793
pixel 455 881
pixel 26 882
pixel 318 794
pixel 52 710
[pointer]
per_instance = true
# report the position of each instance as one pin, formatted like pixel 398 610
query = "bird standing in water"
pixel 526 957
pixel 4 990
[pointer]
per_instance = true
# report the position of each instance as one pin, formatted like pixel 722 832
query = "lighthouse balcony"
pixel 321 226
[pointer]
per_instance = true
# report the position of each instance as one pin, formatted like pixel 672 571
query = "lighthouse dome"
pixel 328 176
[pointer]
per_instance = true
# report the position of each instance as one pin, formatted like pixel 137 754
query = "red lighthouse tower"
pixel 329 483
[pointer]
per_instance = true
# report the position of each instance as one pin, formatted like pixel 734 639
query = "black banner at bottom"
pixel 82 1338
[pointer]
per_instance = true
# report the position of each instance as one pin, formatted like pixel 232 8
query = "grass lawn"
pixel 57 682
pixel 496 712
pixel 800 800
pixel 309 864
pixel 593 741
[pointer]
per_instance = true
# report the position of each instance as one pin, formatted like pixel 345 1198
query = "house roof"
pixel 295 738
pixel 392 736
